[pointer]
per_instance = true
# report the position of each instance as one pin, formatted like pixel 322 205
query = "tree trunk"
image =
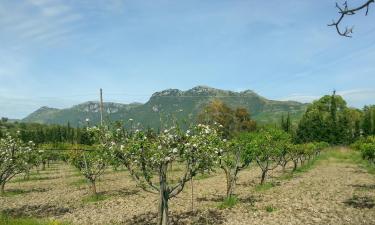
pixel 44 166
pixel 284 165
pixel 163 208
pixel 2 188
pixel 192 194
pixel 295 162
pixel 164 197
pixel 27 176
pixel 231 184
pixel 93 187
pixel 264 174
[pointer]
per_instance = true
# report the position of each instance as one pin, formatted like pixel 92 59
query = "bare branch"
pixel 344 10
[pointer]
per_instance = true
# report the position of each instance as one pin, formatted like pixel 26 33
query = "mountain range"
pixel 183 105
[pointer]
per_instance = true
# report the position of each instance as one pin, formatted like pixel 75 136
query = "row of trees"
pixel 43 134
pixel 149 156
pixel 225 141
pixel 330 120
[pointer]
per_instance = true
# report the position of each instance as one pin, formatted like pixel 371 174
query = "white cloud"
pixel 37 21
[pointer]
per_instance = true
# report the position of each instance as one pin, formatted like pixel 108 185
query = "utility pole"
pixel 101 107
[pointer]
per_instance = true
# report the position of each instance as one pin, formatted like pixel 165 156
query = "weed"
pixel 228 202
pixel 270 208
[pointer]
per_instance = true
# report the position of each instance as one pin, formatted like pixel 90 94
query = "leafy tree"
pixel 234 157
pixel 266 147
pixel 286 154
pixel 93 160
pixel 368 121
pixel 14 158
pixel 231 121
pixel 243 121
pixel 286 124
pixel 296 151
pixel 367 148
pixel 326 119
pixel 149 156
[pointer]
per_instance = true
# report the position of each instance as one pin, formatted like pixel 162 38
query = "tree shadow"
pixel 121 193
pixel 360 202
pixel 248 183
pixel 247 200
pixel 15 191
pixel 198 217
pixel 364 186
pixel 218 198
pixel 35 178
pixel 38 211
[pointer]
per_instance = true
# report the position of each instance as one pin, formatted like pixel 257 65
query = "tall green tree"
pixel 327 119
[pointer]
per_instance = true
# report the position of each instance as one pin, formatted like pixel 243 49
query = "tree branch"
pixel 344 10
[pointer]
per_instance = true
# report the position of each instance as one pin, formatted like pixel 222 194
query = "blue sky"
pixel 60 52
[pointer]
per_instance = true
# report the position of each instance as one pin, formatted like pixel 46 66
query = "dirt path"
pixel 331 193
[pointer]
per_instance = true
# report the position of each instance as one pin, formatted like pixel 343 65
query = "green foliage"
pixel 286 124
pixel 270 208
pixel 264 187
pixel 95 198
pixel 368 123
pixel 228 202
pixel 7 220
pixel 327 119
pixel 234 156
pixel 266 148
pixel 45 134
pixel 367 148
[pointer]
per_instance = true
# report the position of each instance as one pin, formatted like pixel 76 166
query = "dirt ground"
pixel 332 192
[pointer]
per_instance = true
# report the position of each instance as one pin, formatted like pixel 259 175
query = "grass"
pixel 13 192
pixel 270 208
pixel 79 183
pixel 32 178
pixel 337 155
pixel 349 156
pixel 228 202
pixel 94 198
pixel 6 220
pixel 202 176
pixel 264 187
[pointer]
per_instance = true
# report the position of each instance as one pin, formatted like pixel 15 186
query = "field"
pixel 336 188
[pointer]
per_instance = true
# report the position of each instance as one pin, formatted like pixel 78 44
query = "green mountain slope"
pixel 184 105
